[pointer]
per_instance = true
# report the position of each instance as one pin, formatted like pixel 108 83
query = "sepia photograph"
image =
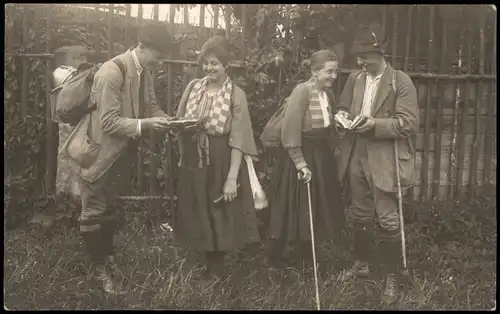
pixel 250 157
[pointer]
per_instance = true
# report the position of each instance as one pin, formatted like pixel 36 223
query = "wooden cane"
pixel 400 205
pixel 313 245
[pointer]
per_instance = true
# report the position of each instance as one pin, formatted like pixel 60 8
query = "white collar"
pixel 136 61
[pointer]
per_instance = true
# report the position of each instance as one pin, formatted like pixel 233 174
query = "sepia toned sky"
pixel 194 14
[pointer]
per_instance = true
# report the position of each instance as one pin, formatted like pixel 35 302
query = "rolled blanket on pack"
pixel 259 197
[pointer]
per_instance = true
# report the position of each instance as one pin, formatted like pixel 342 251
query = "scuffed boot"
pixel 391 293
pixel 109 284
pixel 114 268
pixel 392 262
pixel 358 269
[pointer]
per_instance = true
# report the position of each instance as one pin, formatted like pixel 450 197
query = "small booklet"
pixel 348 124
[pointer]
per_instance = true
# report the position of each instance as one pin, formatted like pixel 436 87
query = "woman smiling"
pixel 216 210
pixel 308 157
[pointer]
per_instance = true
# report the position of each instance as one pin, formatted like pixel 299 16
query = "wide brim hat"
pixel 157 36
pixel 370 37
pixel 217 45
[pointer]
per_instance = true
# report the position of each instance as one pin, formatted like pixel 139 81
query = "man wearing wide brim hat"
pixel 387 99
pixel 104 141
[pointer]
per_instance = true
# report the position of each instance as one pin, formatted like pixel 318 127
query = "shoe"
pixel 359 269
pixel 114 268
pixel 109 285
pixel 390 294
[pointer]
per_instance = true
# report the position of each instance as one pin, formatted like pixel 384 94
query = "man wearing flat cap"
pixel 126 108
pixel 367 159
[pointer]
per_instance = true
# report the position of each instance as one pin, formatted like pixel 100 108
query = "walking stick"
pixel 313 244
pixel 400 207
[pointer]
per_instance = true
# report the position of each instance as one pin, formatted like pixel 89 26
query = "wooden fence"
pixel 457 138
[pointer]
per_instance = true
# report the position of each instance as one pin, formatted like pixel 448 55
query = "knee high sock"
pixel 390 246
pixel 93 245
pixel 363 242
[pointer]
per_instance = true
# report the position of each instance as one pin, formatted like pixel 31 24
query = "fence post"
pixel 492 104
pixel 140 151
pixel 154 145
pixel 438 135
pixel 215 7
pixel 25 63
pixel 170 112
pixel 243 31
pixel 110 30
pixel 49 124
pixel 465 112
pixel 128 10
pixel 478 138
pixel 202 20
pixel 424 182
pixel 97 30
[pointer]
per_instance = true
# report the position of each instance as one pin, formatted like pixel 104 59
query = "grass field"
pixel 46 270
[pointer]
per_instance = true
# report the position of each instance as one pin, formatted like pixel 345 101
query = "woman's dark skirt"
pixel 198 222
pixel 288 197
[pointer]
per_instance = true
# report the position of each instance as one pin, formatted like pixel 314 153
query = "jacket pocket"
pixel 83 150
pixel 81 147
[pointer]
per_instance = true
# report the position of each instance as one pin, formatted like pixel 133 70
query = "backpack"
pixel 72 100
pixel 271 135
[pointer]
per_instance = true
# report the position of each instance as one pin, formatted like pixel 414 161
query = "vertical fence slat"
pixel 417 39
pixel 170 112
pixel 140 152
pixel 417 82
pixel 394 40
pixel 186 14
pixel 243 31
pixel 49 137
pixel 227 18
pixel 97 29
pixel 479 106
pixel 384 17
pixel 491 110
pixel 202 19
pixel 153 142
pixel 438 135
pixel 408 38
pixel 110 30
pixel 171 17
pixel 215 8
pixel 128 9
pixel 465 113
pixel 425 158
pixel 25 62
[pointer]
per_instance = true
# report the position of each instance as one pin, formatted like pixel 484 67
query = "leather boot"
pixel 215 264
pixel 363 241
pixel 108 230
pixel 392 262
pixel 109 284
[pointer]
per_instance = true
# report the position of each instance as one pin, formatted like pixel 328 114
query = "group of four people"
pixel 212 155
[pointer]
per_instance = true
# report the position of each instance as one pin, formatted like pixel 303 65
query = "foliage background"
pixel 273 62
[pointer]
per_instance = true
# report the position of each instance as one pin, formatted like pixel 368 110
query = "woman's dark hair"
pixel 218 46
pixel 319 58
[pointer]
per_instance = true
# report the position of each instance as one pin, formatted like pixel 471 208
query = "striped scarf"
pixel 215 112
pixel 317 120
pixel 212 112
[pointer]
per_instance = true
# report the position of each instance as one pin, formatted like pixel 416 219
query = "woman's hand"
pixel 230 190
pixel 305 174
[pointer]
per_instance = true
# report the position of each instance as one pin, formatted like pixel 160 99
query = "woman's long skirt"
pixel 198 222
pixel 288 198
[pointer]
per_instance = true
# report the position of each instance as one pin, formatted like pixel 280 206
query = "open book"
pixel 348 124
